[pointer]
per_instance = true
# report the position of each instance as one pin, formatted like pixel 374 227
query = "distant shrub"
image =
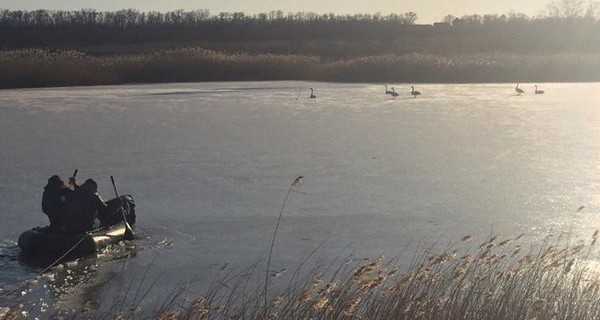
pixel 39 68
pixel 42 68
pixel 415 67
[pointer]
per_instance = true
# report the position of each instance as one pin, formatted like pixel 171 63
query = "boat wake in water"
pixel 65 285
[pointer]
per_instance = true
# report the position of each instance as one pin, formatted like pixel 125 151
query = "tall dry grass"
pixel 471 68
pixel 495 279
pixel 44 68
pixel 40 68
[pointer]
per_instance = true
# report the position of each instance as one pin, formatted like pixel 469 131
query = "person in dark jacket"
pixel 55 196
pixel 82 208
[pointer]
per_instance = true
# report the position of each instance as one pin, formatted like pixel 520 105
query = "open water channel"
pixel 209 165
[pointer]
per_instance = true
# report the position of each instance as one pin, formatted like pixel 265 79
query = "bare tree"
pixel 449 19
pixel 592 10
pixel 410 18
pixel 567 8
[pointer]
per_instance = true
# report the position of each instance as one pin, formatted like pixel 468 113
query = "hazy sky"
pixel 428 10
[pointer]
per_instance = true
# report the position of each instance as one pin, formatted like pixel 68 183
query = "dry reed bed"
pixel 38 68
pixel 497 279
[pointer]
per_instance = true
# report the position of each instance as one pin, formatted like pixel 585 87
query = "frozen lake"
pixel 209 165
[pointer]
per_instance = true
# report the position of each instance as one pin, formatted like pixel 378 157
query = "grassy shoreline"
pixel 499 278
pixel 44 68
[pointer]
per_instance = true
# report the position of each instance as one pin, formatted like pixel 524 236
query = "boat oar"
pixel 128 231
pixel 72 178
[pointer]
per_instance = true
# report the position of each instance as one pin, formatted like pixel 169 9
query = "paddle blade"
pixel 128 231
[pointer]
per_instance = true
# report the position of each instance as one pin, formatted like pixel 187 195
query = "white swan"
pixel 387 91
pixel 414 92
pixel 519 90
pixel 538 91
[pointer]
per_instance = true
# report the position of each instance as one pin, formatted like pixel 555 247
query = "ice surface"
pixel 209 165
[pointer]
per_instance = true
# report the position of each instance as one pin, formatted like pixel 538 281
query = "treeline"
pixel 131 18
pixel 87 47
pixel 325 35
pixel 88 28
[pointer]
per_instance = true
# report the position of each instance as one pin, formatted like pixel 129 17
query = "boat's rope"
pixel 73 248
pixel 64 255
pixel 99 229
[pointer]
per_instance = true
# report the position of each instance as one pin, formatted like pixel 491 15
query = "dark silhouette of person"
pixel 54 199
pixel 82 208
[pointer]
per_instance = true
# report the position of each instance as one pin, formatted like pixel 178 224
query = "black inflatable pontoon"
pixel 46 240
